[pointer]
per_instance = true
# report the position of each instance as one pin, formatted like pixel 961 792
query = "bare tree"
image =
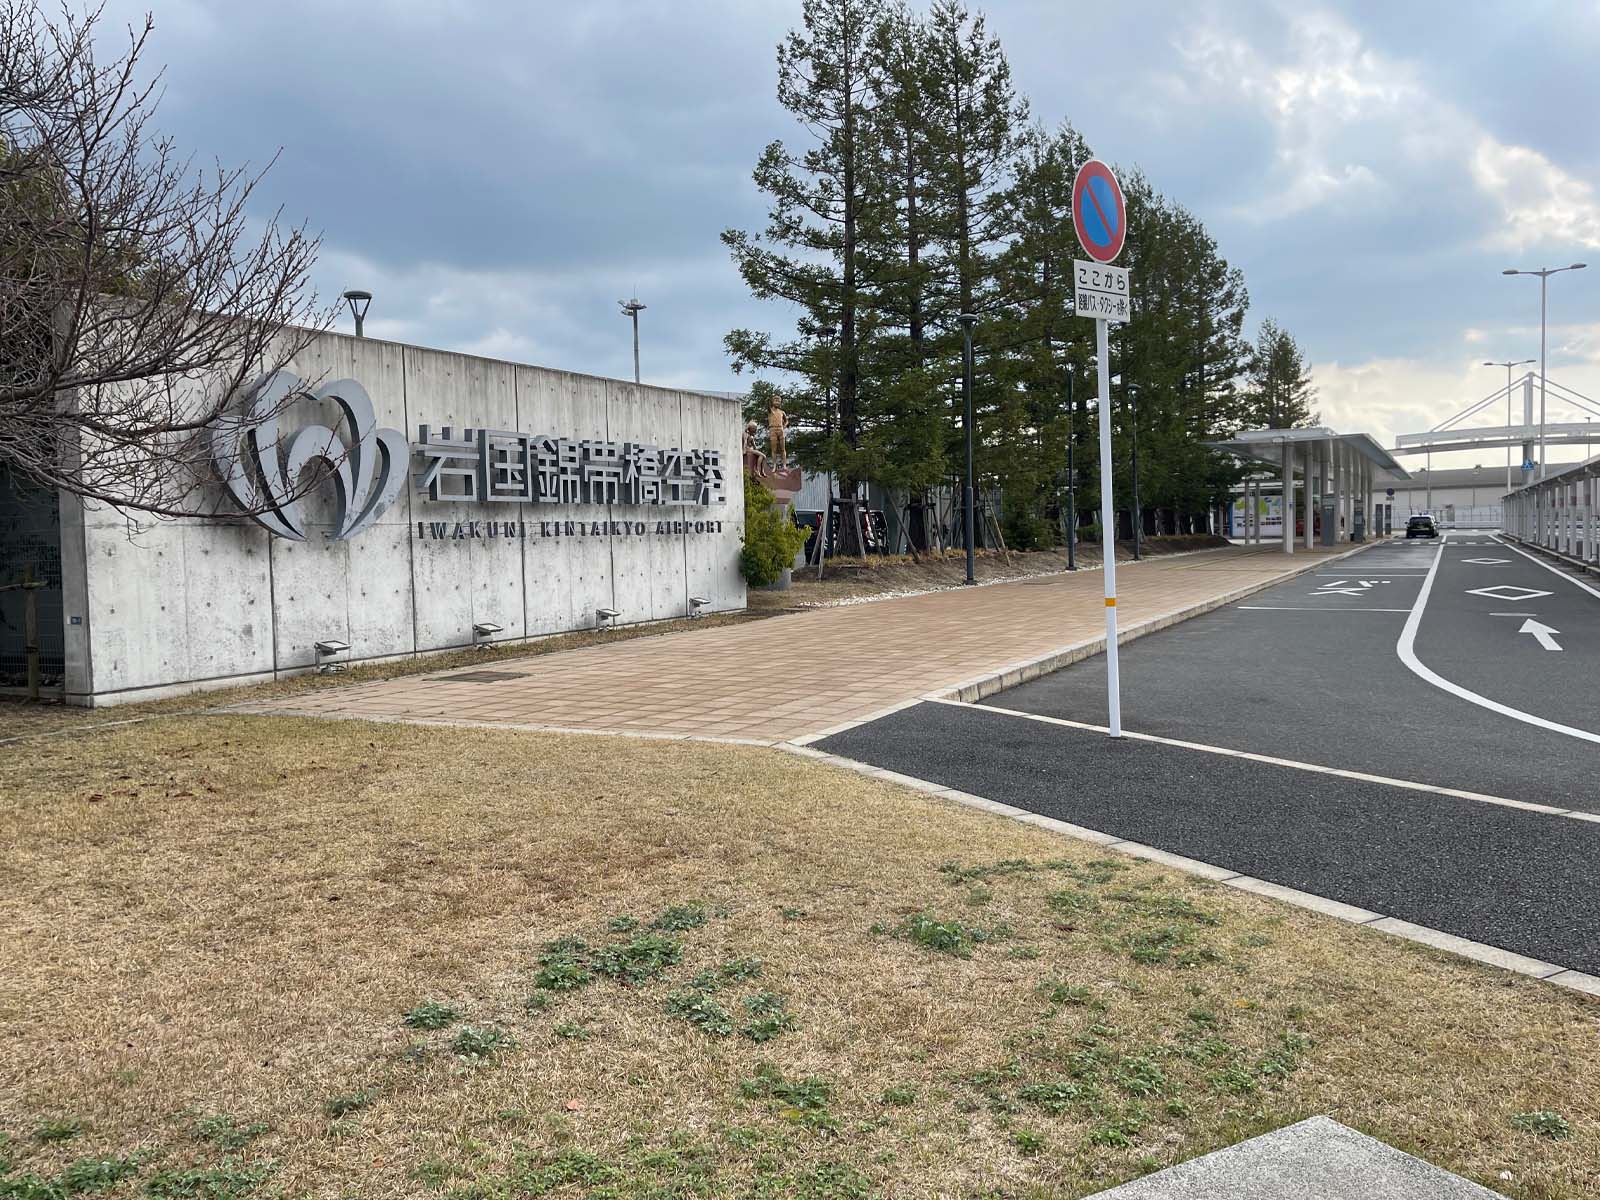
pixel 134 299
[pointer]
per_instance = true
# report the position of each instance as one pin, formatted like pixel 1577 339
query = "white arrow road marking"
pixel 1338 587
pixel 1406 648
pixel 1541 632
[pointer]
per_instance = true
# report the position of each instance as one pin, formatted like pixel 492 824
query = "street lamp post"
pixel 1520 362
pixel 359 302
pixel 968 320
pixel 632 308
pixel 1072 482
pixel 1544 274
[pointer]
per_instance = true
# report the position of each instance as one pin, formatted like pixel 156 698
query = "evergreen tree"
pixel 821 201
pixel 1280 392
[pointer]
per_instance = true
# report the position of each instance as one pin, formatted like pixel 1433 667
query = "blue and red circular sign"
pixel 1098 213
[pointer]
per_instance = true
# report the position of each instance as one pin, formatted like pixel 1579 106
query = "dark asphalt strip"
pixel 1327 689
pixel 1520 881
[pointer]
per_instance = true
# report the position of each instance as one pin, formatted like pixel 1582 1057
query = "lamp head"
pixel 1511 271
pixel 968 320
pixel 358 301
pixel 1577 266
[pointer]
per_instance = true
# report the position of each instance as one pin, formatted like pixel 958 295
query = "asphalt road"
pixel 1409 661
pixel 1310 670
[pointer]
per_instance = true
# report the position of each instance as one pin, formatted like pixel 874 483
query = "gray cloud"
pixel 501 174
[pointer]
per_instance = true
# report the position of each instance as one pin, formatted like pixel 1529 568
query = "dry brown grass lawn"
pixel 228 917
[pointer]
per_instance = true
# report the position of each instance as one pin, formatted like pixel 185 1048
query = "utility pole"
pixel 632 308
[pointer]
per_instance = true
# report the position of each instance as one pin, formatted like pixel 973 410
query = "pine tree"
pixel 1280 393
pixel 821 200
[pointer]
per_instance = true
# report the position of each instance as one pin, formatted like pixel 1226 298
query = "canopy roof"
pixel 1266 446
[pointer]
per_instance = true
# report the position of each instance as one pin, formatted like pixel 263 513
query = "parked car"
pixel 1421 526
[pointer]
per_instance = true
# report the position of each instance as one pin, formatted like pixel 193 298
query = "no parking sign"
pixel 1099 215
pixel 1101 291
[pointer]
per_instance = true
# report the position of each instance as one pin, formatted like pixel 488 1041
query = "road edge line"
pixel 1411 785
pixel 1551 567
pixel 1481 953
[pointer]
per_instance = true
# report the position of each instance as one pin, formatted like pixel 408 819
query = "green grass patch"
pixel 680 918
pixel 701 1011
pixel 350 1102
pixel 432 1015
pixel 1543 1123
pixel 225 1132
pixel 478 1042
pixel 944 937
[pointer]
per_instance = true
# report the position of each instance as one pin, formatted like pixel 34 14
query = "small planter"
pixel 781 584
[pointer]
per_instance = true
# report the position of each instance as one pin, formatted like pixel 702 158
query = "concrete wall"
pixel 177 605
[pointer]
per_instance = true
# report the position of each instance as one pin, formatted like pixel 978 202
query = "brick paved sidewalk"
pixel 801 673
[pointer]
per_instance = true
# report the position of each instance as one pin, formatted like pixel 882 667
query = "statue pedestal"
pixel 783 482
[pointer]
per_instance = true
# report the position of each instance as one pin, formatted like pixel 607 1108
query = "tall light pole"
pixel 1544 274
pixel 1072 483
pixel 1520 362
pixel 359 302
pixel 632 308
pixel 968 320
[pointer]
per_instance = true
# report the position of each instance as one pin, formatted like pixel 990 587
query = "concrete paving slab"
pixel 1318 1159
pixel 811 674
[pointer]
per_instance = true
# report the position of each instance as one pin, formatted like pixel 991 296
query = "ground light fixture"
pixel 327 652
pixel 483 633
pixel 359 302
pixel 604 617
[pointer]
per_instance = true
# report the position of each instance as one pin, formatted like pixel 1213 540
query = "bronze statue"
pixel 777 433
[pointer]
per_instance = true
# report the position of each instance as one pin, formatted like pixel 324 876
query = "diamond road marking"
pixel 1487 562
pixel 1505 591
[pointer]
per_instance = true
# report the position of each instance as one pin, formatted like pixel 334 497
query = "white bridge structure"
pixel 1532 436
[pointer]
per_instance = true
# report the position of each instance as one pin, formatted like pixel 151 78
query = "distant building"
pixel 1467 497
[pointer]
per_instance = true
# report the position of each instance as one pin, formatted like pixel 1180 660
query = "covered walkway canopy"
pixel 1335 466
pixel 1559 512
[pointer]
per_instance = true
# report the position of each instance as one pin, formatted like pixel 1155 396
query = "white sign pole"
pixel 1108 530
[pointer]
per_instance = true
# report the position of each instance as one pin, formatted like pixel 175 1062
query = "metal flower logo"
pixel 261 465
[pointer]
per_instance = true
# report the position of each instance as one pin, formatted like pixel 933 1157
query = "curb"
pixel 970 691
pixel 1478 952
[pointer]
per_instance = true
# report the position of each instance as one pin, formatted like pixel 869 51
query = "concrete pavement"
pixel 799 674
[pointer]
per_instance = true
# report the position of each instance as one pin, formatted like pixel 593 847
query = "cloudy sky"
pixel 500 174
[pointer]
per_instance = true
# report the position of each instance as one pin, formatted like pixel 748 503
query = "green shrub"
pixel 771 538
pixel 1025 529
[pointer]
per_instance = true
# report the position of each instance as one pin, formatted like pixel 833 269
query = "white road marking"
pixel 1502 591
pixel 1541 633
pixel 1316 608
pixel 1406 649
pixel 1316 768
pixel 1486 562
pixel 1553 570
pixel 1513 614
